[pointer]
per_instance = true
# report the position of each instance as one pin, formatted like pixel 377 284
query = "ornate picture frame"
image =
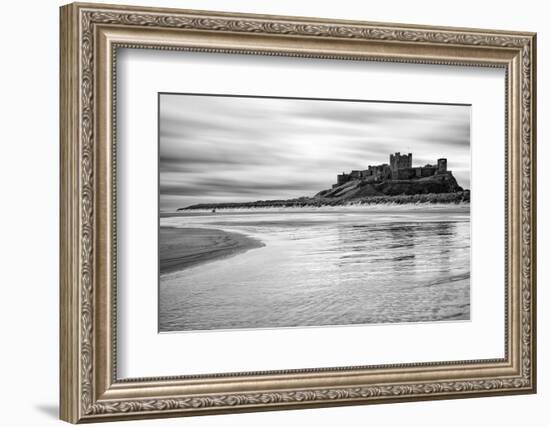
pixel 90 37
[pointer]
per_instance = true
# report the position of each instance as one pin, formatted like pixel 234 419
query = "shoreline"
pixel 182 248
pixel 350 207
pixel 462 197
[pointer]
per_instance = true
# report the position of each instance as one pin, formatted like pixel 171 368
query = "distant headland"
pixel 397 182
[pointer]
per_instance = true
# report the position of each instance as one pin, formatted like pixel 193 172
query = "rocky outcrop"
pixel 435 184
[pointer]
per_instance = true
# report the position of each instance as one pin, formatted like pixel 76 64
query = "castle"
pixel 397 182
pixel 399 168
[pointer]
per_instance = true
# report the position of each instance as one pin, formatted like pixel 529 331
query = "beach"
pixel 295 267
pixel 181 248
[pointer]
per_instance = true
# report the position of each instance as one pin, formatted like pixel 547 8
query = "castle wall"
pixel 381 171
pixel 412 173
pixel 428 171
pixel 400 167
pixel 407 173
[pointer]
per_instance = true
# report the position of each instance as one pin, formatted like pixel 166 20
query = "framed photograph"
pixel 267 212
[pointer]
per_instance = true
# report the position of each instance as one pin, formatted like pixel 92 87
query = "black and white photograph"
pixel 293 212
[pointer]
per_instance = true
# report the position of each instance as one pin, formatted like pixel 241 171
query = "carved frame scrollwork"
pixel 90 36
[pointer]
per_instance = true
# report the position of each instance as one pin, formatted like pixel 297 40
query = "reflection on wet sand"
pixel 325 268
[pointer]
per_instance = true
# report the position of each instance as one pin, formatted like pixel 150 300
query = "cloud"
pixel 234 148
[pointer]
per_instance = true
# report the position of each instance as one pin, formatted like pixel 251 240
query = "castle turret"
pixel 441 165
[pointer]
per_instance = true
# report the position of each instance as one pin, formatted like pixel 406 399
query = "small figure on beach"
pixel 213 210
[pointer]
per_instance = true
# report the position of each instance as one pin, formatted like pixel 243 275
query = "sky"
pixel 232 149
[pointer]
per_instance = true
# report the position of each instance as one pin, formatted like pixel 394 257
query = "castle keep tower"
pixel 398 161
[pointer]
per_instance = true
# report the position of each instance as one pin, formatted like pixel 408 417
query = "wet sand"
pixel 326 266
pixel 181 248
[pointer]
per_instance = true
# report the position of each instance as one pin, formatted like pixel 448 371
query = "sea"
pixel 326 266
